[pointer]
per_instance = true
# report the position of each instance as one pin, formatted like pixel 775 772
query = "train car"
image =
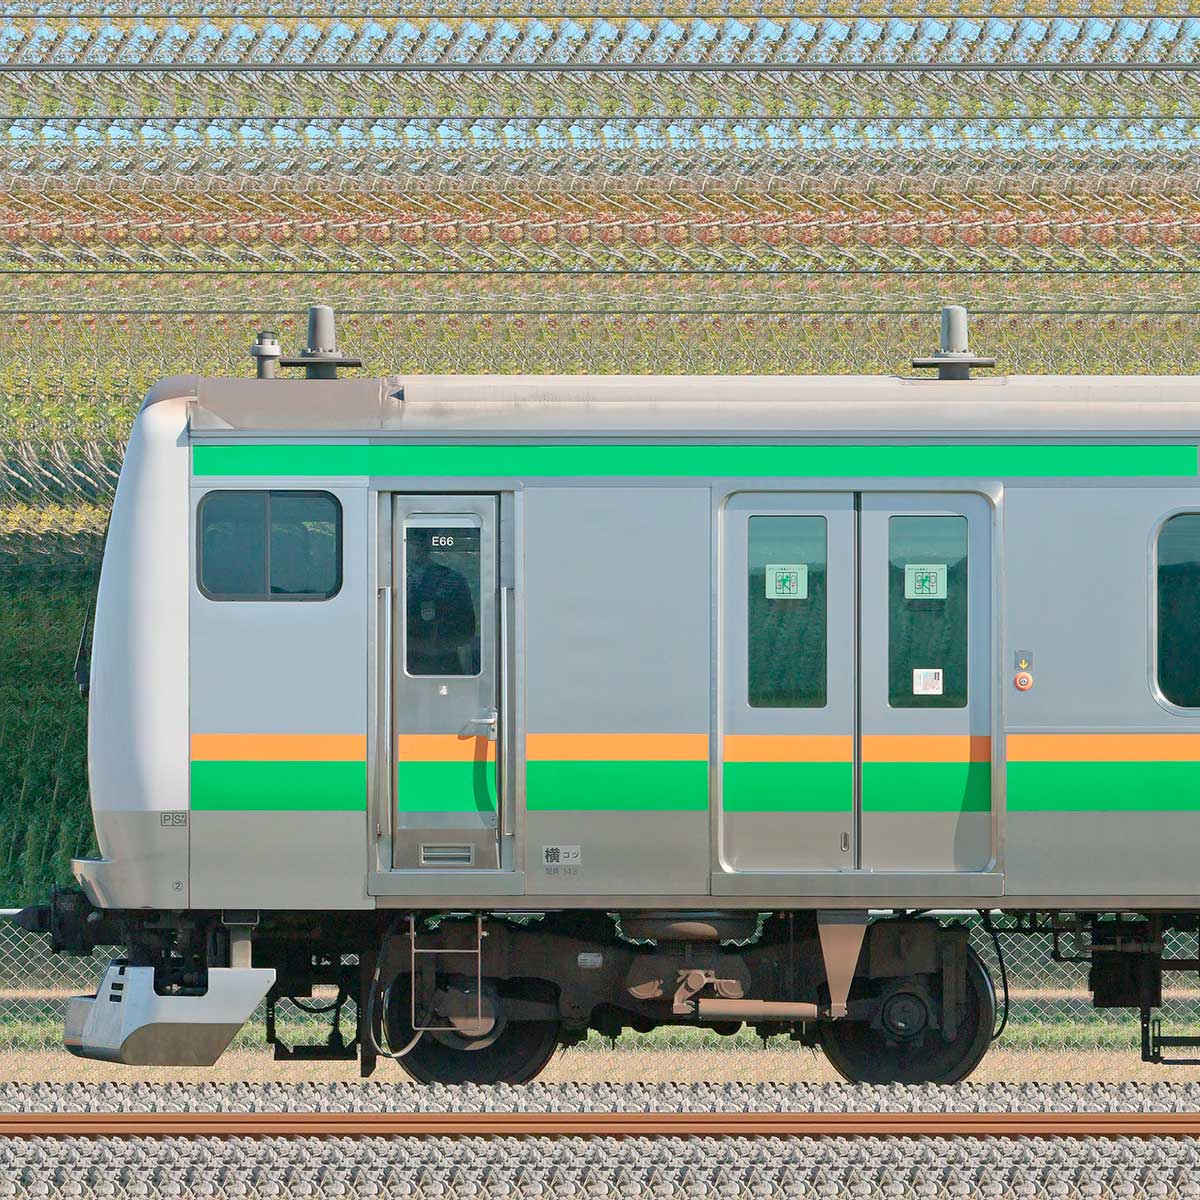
pixel 518 707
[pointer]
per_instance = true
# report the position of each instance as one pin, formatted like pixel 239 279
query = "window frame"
pixel 1156 689
pixel 270 597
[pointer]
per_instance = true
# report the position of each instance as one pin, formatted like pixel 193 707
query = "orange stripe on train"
pixel 786 748
pixel 279 747
pixel 926 747
pixel 616 747
pixel 444 747
pixel 1104 747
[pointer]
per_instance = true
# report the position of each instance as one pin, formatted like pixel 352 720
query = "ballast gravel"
pixel 428 1168
pixel 372 1096
pixel 583 1169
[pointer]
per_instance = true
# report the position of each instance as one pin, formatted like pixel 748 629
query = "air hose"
pixel 373 993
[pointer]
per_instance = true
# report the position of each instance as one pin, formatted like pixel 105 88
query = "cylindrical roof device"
pixel 320 358
pixel 954 359
pixel 266 353
pixel 322 333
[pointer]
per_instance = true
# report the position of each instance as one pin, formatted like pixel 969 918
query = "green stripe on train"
pixel 886 787
pixel 1103 787
pixel 635 786
pixel 279 786
pixel 926 787
pixel 787 787
pixel 618 459
pixel 446 787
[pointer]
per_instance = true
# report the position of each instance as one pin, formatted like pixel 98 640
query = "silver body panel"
pixel 617 617
pixel 621 601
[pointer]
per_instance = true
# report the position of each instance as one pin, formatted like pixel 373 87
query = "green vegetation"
pixel 44 817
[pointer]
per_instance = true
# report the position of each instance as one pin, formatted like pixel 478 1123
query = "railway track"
pixel 602 1125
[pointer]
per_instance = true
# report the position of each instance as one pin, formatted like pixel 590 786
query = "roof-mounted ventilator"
pixel 954 359
pixel 320 358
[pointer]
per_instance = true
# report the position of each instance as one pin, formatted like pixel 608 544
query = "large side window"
pixel 787 612
pixel 1179 610
pixel 269 545
pixel 927 612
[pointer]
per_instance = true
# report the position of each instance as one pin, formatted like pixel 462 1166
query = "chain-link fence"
pixel 1050 1005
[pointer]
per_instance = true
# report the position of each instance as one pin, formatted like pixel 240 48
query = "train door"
pixel 925 685
pixel 446 716
pixel 855 709
pixel 787 747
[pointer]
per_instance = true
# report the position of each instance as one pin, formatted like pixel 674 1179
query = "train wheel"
pixel 513 1052
pixel 903 1052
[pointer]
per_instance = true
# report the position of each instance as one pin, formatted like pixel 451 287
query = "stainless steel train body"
pixel 809 647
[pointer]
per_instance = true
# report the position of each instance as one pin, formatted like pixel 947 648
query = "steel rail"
pixel 593 1124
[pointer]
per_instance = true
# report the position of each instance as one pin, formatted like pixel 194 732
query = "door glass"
pixel 927 612
pixel 441 565
pixel 787 612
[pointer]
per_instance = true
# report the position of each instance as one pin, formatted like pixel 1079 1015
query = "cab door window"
pixel 441 599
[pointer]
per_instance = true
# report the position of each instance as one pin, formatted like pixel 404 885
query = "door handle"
pixel 491 721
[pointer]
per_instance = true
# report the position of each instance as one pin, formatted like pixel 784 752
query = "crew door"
pixel 856 683
pixel 446 713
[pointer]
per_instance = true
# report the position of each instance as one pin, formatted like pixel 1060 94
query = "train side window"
pixel 927 612
pixel 788 614
pixel 1179 610
pixel 269 545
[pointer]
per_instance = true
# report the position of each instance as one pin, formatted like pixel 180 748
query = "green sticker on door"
pixel 787 581
pixel 924 581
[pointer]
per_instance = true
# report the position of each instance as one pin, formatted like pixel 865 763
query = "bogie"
pixel 903 1044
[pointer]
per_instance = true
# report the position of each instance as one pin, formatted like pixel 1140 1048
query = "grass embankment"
pixel 44 816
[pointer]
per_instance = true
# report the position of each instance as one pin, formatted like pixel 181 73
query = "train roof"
pixel 721 406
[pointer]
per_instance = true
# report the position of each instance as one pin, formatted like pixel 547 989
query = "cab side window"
pixel 1179 610
pixel 257 545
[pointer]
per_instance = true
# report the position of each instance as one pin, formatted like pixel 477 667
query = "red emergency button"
pixel 1023 681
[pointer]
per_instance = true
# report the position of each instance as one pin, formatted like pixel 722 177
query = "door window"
pixel 927 612
pixel 787 612
pixel 441 604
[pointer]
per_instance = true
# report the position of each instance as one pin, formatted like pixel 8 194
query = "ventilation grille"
pixel 447 854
